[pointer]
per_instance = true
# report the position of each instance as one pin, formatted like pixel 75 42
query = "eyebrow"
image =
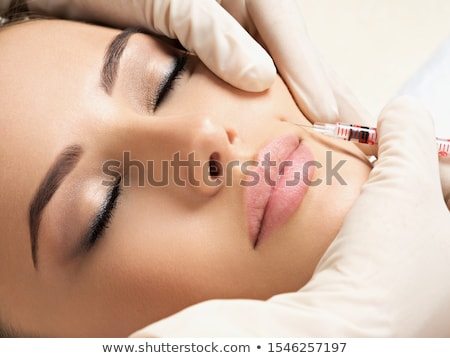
pixel 63 166
pixel 112 57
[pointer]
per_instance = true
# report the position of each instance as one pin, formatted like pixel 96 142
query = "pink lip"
pixel 280 188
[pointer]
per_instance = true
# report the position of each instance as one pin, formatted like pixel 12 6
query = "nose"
pixel 194 149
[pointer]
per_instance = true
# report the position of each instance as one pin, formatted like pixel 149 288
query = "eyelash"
pixel 103 219
pixel 169 81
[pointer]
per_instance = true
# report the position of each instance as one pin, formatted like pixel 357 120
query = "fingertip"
pixel 407 144
pixel 326 110
pixel 318 105
pixel 257 75
pixel 409 113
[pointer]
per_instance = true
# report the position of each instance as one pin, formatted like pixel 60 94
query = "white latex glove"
pixel 385 275
pixel 279 26
pixel 444 166
pixel 204 27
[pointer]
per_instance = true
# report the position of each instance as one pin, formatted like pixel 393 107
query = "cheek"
pixel 161 257
pixel 139 272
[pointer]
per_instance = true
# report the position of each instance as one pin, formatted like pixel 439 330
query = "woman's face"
pixel 135 201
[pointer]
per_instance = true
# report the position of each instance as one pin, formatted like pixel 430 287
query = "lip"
pixel 281 185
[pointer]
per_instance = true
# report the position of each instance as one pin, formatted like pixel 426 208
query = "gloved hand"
pixel 444 166
pixel 385 274
pixel 205 28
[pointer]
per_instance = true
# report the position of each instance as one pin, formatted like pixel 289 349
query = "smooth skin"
pixel 165 248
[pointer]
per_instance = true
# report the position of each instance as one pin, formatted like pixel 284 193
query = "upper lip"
pixel 259 194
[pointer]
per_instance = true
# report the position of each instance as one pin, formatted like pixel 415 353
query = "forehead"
pixel 49 75
pixel 44 62
pixel 48 69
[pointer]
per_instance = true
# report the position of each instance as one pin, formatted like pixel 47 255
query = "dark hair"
pixel 18 11
pixel 6 331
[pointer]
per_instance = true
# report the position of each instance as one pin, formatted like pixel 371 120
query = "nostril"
pixel 231 135
pixel 215 166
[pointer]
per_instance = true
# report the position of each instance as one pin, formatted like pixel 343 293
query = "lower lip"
pixel 282 199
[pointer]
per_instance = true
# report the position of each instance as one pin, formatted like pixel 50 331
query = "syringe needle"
pixel 363 134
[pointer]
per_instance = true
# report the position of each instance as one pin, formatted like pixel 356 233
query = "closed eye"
pixel 167 84
pixel 103 218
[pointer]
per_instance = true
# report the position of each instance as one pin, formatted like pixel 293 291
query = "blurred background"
pixel 376 45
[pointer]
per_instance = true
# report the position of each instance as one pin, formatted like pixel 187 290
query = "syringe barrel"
pixel 356 133
pixel 366 135
pixel 443 147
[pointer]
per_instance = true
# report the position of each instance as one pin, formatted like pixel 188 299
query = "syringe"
pixel 363 134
